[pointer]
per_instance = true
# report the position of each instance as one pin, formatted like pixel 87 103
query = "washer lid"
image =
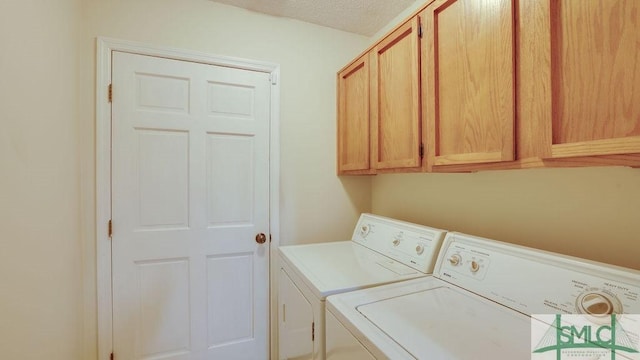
pixel 446 323
pixel 335 267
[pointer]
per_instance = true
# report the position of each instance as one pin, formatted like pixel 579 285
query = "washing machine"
pixel 492 300
pixel 381 251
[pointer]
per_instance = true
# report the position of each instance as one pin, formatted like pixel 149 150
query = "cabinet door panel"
pixel 468 83
pixel 353 117
pixel 595 77
pixel 395 101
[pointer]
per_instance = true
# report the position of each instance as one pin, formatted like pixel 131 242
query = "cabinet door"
pixel 395 99
pixel 468 81
pixel 353 117
pixel 595 76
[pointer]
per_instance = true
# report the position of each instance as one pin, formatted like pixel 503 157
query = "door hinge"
pixel 111 356
pixel 419 30
pixel 421 151
pixel 269 238
pixel 110 92
pixel 313 331
pixel 273 78
pixel 110 228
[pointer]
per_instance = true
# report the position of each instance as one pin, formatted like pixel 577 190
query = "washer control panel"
pixel 414 245
pixel 469 263
pixel 537 282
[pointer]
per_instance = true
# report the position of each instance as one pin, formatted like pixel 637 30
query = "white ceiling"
pixel 363 17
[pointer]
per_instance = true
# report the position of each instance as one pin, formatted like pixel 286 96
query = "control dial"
pixel 419 249
pixel 455 259
pixel 364 230
pixel 398 238
pixel 598 303
pixel 474 266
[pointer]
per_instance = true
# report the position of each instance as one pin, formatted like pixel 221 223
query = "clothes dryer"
pixel 381 251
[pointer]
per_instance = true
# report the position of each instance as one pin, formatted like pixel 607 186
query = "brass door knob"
pixel 261 238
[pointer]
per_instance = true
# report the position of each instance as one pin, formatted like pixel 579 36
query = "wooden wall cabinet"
pixel 379 121
pixel 576 83
pixel 584 99
pixel 468 80
pixel 501 84
pixel 395 100
pixel 353 118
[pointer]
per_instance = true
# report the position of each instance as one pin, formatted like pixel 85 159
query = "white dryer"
pixel 381 251
pixel 489 300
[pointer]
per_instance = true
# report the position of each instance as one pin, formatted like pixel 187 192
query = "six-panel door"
pixel 189 192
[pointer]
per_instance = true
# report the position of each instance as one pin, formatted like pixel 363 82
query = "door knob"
pixel 261 238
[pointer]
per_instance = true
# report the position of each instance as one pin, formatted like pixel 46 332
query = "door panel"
pixel 229 169
pixel 469 73
pixel 594 87
pixel 395 103
pixel 163 158
pixel 162 93
pixel 164 325
pixel 230 99
pixel 353 118
pixel 230 311
pixel 190 187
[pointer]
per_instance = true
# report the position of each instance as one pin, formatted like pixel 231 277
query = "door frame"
pixel 105 47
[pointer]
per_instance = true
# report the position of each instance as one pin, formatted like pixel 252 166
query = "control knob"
pixel 475 266
pixel 396 242
pixel 364 230
pixel 419 249
pixel 598 303
pixel 455 259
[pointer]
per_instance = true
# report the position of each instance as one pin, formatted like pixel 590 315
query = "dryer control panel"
pixel 414 245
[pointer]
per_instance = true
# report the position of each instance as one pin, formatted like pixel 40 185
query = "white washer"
pixel 478 305
pixel 381 251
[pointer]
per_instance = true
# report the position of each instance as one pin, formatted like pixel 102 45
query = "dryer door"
pixel 295 321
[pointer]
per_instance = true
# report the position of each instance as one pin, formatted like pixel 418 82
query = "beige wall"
pixel 315 205
pixel 47 188
pixel 588 212
pixel 40 247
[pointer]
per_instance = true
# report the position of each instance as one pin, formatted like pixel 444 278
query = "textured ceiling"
pixel 363 17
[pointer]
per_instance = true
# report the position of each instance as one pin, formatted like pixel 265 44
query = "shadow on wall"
pixel 358 190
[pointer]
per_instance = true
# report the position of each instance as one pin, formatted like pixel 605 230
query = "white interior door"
pixel 190 163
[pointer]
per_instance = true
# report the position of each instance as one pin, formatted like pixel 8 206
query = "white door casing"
pixel 178 160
